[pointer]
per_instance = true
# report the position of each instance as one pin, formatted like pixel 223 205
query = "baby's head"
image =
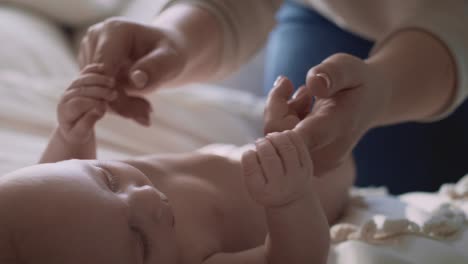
pixel 84 212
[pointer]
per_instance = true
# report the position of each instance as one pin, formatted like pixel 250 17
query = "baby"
pixel 266 207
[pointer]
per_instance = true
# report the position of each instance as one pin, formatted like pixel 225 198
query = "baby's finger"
pixel 301 104
pixel 253 174
pixel 93 68
pixel 286 150
pixel 269 159
pixel 95 92
pixel 82 58
pixel 92 79
pixel 87 121
pixel 76 107
pixel 302 150
pixel 87 48
pixel 276 107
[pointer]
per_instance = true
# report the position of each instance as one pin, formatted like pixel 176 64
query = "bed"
pixel 37 63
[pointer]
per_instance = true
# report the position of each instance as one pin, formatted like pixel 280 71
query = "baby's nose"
pixel 147 202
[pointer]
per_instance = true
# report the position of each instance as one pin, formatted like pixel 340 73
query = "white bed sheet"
pixel 36 64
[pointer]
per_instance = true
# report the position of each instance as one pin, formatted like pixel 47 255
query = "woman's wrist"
pixel 197 32
pixel 418 75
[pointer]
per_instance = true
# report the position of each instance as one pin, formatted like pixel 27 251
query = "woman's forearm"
pixel 199 34
pixel 420 73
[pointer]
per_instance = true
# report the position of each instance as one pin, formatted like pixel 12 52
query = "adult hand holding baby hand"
pixel 349 100
pixel 83 104
pixel 140 56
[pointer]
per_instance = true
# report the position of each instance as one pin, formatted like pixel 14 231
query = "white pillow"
pixel 73 13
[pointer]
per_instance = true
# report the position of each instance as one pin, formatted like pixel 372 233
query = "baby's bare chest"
pixel 216 212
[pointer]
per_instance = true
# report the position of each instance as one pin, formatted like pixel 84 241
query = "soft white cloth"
pixel 411 228
pixel 71 12
pixel 36 66
pixel 184 120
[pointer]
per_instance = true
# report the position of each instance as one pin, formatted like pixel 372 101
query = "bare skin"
pixel 266 207
pixel 410 77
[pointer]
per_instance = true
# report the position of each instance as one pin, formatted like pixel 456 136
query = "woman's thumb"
pixel 139 78
pixel 158 66
pixel 336 73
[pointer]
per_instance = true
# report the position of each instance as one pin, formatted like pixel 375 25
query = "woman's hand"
pixel 350 97
pixel 83 104
pixel 278 171
pixel 145 54
pixel 140 57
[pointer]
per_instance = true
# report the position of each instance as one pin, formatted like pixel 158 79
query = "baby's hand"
pixel 84 103
pixel 283 112
pixel 278 171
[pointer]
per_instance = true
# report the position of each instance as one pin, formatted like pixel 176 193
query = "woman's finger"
pixel 113 40
pixel 322 126
pixel 136 108
pixel 93 68
pixel 92 79
pixel 87 46
pixel 94 92
pixel 162 64
pixel 336 73
pixel 83 53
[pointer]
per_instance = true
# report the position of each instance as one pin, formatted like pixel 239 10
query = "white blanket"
pixel 36 65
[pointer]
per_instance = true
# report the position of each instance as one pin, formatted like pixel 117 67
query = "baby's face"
pixel 88 212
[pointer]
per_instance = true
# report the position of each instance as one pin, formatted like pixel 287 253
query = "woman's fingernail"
pixel 278 80
pixel 300 92
pixel 325 78
pixel 139 78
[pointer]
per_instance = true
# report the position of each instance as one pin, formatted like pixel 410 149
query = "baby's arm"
pixel 81 106
pixel 278 176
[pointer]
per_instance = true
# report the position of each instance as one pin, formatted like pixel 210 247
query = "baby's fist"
pixel 84 103
pixel 278 171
